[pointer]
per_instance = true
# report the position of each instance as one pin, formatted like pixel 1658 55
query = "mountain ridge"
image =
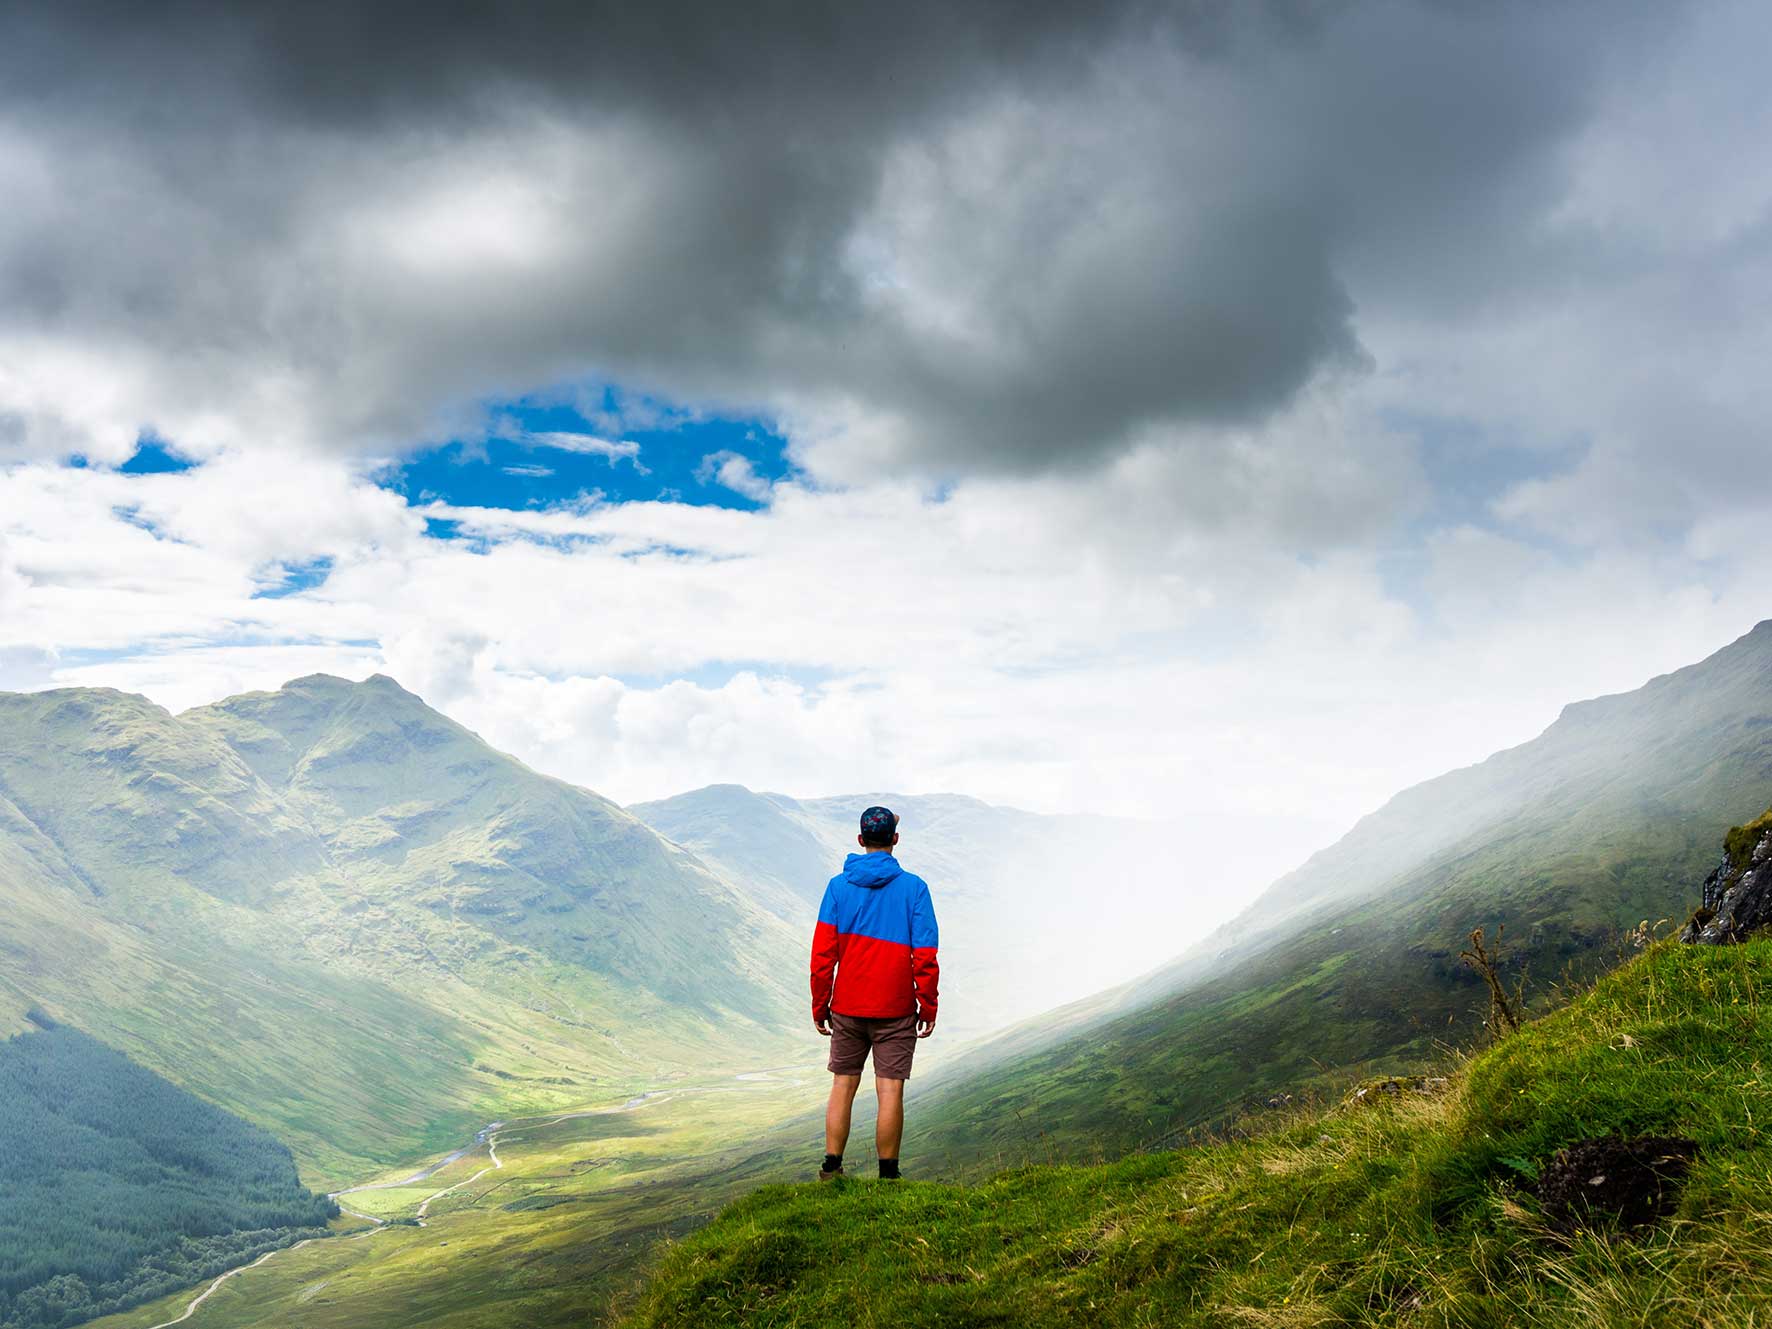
pixel 300 874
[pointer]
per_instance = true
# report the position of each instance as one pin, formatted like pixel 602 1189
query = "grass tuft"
pixel 1740 841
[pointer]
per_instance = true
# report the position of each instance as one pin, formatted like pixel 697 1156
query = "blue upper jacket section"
pixel 874 897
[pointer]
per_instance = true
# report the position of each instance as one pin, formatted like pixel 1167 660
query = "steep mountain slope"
pixel 116 1186
pixel 1426 1206
pixel 1035 909
pixel 1352 961
pixel 475 853
pixel 337 912
pixel 767 842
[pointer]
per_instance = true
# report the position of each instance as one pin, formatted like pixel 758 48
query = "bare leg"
pixel 889 1129
pixel 836 1112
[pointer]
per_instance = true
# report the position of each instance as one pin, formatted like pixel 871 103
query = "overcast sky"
pixel 1195 408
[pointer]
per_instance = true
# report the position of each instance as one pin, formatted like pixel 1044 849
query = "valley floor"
pixel 537 1223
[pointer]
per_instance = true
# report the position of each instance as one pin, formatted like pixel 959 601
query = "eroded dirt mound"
pixel 1614 1180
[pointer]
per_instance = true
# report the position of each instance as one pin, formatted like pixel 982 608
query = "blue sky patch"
pixel 289 578
pixel 543 453
pixel 1470 465
pixel 154 457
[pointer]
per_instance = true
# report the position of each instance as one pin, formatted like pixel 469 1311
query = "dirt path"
pixel 204 1295
pixel 424 1205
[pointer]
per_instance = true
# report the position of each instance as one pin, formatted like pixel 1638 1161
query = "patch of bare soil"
pixel 1612 1180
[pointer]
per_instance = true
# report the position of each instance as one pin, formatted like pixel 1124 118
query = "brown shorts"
pixel 893 1040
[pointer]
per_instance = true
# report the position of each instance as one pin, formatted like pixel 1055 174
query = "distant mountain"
pixel 1350 963
pixel 340 913
pixel 780 851
pixel 1035 910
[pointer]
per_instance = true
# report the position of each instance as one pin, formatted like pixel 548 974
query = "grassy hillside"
pixel 348 1071
pixel 1415 1207
pixel 116 1186
pixel 1350 964
pixel 344 916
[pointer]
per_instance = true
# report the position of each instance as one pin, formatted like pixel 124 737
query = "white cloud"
pixel 735 472
pixel 1056 644
pixel 1260 443
pixel 12 584
pixel 590 445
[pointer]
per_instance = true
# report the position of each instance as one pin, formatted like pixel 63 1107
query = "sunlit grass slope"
pixel 1414 1209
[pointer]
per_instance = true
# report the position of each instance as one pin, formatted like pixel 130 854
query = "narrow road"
pixel 424 1206
pixel 204 1295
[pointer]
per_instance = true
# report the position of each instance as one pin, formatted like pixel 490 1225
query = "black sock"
pixel 832 1162
pixel 888 1169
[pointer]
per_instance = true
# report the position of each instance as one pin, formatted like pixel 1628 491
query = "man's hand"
pixel 822 1024
pixel 925 1028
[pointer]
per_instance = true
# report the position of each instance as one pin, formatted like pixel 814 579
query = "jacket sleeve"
pixel 824 956
pixel 925 969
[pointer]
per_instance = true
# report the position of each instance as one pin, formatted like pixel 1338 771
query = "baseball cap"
pixel 878 825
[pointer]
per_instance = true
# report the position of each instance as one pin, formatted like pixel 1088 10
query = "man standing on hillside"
pixel 874 977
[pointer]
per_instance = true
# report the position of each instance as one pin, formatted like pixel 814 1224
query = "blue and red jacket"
pixel 876 935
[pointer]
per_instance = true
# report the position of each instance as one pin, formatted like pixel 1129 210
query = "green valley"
pixel 541 1223
pixel 587 1023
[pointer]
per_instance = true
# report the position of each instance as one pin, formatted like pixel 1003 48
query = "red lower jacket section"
pixel 874 979
pixel 926 973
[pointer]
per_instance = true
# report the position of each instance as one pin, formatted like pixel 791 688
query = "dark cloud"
pixel 350 66
pixel 965 237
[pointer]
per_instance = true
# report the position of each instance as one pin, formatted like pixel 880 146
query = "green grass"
pixel 1740 841
pixel 1411 1211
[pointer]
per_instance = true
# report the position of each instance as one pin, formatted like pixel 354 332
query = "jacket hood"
pixel 871 870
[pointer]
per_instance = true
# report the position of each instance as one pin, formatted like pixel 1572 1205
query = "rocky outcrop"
pixel 1737 899
pixel 1395 1086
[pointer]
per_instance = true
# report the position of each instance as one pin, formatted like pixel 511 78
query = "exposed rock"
pixel 1611 1179
pixel 1737 898
pixel 1395 1086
